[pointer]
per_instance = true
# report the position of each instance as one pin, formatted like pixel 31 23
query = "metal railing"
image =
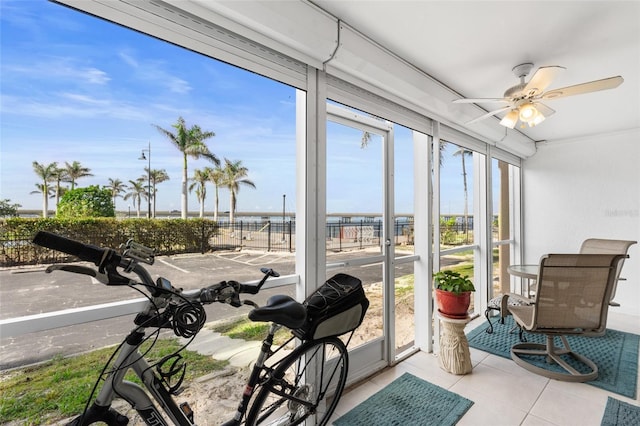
pixel 16 248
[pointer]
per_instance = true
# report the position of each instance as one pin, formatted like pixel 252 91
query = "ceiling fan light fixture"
pixel 511 119
pixel 528 112
pixel 537 120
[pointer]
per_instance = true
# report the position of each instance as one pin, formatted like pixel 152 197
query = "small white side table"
pixel 454 356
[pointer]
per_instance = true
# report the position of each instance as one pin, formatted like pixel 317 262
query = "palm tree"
pixel 463 152
pixel 47 173
pixel 136 192
pixel 200 179
pixel 217 177
pixel 47 192
pixel 75 171
pixel 117 187
pixel 157 176
pixel 235 175
pixel 189 141
pixel 60 176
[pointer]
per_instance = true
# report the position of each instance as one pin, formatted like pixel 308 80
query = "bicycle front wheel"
pixel 308 382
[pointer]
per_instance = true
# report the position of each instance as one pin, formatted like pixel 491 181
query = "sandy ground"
pixel 214 398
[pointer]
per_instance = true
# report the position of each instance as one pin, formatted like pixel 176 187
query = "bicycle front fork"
pixel 265 353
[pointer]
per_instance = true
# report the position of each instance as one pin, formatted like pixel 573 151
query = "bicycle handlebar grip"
pixel 247 289
pixel 85 252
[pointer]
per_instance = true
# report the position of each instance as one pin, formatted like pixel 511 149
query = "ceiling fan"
pixel 523 100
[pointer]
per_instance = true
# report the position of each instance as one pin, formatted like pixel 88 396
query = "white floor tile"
pixel 503 393
pixel 566 408
pixel 532 420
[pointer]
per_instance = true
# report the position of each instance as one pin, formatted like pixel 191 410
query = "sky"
pixel 77 88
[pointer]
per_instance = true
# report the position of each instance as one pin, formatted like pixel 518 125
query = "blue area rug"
pixel 406 401
pixel 620 413
pixel 615 353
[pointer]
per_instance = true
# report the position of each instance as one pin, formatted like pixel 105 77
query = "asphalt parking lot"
pixel 28 290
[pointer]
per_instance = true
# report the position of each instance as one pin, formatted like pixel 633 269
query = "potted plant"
pixel 453 293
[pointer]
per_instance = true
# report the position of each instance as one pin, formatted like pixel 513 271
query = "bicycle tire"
pixel 274 404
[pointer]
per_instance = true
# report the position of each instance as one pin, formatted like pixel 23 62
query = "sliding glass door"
pixel 359 212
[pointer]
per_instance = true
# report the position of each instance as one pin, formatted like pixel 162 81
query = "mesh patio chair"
pixel 571 298
pixel 502 302
pixel 604 246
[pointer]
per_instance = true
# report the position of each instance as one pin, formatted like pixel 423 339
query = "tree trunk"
pixel 154 200
pixel 45 202
pixel 184 188
pixel 232 207
pixel 215 207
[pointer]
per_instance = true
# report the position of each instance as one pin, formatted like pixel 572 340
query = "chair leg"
pixel 553 355
pixel 489 329
pixel 520 333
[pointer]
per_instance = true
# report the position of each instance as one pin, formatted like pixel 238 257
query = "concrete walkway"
pixel 239 353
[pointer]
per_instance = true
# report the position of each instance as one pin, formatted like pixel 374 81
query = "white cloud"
pixel 56 68
pixel 154 71
pixel 128 59
pixel 96 76
pixel 84 99
pixel 178 85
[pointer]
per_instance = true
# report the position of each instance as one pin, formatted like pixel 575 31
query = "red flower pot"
pixel 453 305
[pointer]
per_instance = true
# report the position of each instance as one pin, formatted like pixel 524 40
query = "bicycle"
pixel 282 389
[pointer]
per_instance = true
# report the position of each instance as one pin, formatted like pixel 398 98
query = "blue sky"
pixel 76 88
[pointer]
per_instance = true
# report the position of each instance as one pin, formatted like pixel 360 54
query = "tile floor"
pixel 504 393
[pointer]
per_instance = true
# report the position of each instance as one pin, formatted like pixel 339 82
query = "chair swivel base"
pixel 553 355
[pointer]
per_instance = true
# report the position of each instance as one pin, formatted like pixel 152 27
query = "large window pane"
pixel 80 89
pixel 456 210
pixel 503 177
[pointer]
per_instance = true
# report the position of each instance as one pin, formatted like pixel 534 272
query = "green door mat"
pixel 406 401
pixel 620 413
pixel 615 353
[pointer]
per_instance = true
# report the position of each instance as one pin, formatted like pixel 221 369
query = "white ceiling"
pixel 472 46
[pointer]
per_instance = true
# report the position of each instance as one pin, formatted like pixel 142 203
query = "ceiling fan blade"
pixel 480 100
pixel 578 89
pixel 542 79
pixel 489 114
pixel 544 110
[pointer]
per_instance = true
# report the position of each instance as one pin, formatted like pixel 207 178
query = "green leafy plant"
pixel 452 281
pixel 91 201
pixel 8 209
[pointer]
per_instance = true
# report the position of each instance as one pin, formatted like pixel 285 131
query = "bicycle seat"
pixel 282 310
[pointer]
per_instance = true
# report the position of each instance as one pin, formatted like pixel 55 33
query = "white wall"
pixel 586 188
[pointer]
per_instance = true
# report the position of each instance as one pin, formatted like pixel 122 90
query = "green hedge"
pixel 167 237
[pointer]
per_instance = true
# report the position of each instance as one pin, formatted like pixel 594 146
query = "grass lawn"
pixel 59 388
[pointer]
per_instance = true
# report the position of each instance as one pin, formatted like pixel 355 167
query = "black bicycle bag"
pixel 336 307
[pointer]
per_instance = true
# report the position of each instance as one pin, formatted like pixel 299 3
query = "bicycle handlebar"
pixel 96 255
pixel 107 260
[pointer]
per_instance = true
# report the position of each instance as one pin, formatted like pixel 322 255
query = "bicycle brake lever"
pixel 73 268
pixel 111 277
pixel 83 270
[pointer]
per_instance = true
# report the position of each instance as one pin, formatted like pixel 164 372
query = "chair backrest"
pixel 573 292
pixel 604 246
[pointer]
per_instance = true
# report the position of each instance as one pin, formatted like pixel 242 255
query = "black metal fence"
pixel 170 237
pixel 280 236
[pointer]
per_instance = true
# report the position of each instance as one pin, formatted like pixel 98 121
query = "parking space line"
pixel 173 266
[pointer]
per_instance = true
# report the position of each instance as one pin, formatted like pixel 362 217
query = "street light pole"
pixel 143 157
